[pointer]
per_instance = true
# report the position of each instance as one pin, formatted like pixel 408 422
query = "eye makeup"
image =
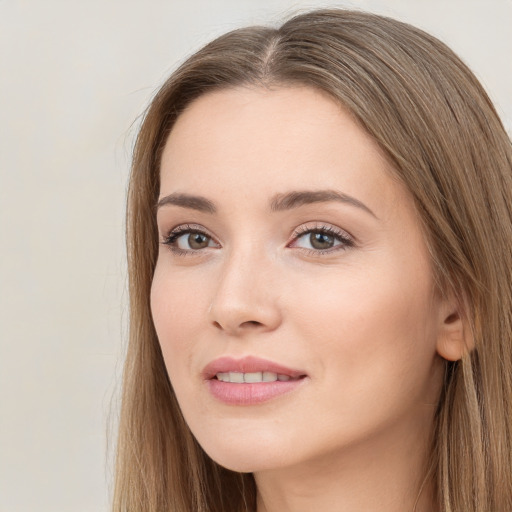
pixel 322 239
pixel 314 239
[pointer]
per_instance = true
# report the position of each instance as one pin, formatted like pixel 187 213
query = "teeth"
pixel 254 377
pixel 236 377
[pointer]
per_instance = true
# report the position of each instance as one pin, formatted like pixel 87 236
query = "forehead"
pixel 250 141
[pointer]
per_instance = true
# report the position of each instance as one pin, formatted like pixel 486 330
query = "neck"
pixel 384 475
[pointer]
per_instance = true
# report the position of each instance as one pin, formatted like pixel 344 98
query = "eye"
pixel 321 239
pixel 188 239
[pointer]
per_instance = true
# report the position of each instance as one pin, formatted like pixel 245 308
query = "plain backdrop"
pixel 74 77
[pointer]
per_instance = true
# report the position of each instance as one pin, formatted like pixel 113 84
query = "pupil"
pixel 321 241
pixel 197 241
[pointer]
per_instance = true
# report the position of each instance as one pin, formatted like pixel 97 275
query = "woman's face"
pixel 293 295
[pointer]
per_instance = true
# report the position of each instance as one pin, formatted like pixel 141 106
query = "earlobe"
pixel 454 337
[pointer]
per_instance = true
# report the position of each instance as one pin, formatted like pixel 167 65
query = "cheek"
pixel 368 328
pixel 374 351
pixel 178 311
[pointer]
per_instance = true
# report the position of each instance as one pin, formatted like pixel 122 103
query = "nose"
pixel 246 298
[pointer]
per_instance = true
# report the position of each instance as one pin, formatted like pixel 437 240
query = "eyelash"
pixel 179 231
pixel 340 236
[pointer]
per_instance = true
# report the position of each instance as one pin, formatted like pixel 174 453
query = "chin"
pixel 243 458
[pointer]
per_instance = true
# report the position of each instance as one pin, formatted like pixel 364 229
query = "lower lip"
pixel 251 394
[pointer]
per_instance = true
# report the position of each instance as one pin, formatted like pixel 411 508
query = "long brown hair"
pixel 436 124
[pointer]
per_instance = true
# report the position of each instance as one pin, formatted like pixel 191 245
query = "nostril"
pixel 249 324
pixel 252 323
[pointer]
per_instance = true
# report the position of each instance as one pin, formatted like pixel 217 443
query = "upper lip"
pixel 248 364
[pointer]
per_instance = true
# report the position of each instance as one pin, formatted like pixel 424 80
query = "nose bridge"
pixel 245 297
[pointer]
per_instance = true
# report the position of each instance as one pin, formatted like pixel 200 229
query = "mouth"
pixel 253 377
pixel 250 380
pixel 249 369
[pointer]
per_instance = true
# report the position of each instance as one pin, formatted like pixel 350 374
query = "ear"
pixel 454 335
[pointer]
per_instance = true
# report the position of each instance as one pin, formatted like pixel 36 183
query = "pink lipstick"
pixel 250 380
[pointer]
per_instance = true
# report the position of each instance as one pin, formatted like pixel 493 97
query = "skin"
pixel 362 319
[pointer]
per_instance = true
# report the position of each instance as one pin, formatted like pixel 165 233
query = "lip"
pixel 249 393
pixel 247 364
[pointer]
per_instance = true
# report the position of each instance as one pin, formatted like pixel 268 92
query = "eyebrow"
pixel 188 201
pixel 279 202
pixel 296 199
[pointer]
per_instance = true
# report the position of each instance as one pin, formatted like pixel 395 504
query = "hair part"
pixel 440 131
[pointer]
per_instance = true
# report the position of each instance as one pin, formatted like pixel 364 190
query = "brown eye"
pixel 189 240
pixel 198 240
pixel 321 241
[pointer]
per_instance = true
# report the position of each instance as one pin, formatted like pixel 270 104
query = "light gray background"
pixel 74 76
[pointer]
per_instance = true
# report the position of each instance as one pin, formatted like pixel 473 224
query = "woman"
pixel 320 255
